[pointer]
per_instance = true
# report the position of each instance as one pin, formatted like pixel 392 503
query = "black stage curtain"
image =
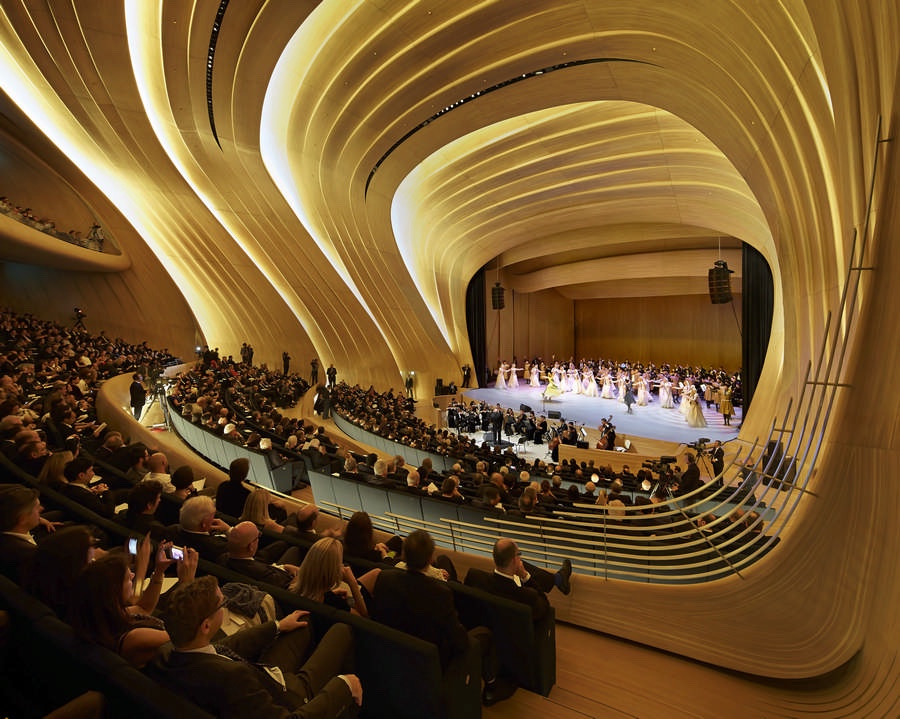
pixel 476 311
pixel 758 301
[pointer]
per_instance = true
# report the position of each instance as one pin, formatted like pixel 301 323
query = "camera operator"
pixel 690 478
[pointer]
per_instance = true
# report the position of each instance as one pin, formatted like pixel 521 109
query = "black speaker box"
pixel 553 414
pixel 719 285
pixel 497 300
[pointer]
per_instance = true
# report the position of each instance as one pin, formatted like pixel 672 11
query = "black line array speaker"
pixel 720 284
pixel 497 300
pixel 553 414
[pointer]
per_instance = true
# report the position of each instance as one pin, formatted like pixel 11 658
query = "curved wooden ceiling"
pixel 342 213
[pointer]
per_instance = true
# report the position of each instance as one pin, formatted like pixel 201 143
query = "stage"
pixel 652 421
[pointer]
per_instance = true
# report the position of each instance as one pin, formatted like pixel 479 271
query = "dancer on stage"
pixel 513 382
pixel 685 389
pixel 535 376
pixel 643 393
pixel 694 414
pixel 726 406
pixel 621 381
pixel 557 376
pixel 590 384
pixel 552 389
pixel 574 379
pixel 665 393
pixel 501 377
pixel 607 392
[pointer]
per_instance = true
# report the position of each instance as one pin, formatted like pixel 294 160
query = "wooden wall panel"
pixel 537 324
pixel 686 329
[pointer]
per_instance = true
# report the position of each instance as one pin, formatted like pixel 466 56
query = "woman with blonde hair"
pixel 51 474
pixel 256 510
pixel 322 577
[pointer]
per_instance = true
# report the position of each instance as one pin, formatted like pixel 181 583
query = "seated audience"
pixel 20 513
pixel 231 495
pixel 323 578
pixel 97 498
pixel 209 675
pixel 421 606
pixel 256 510
pixel 201 529
pixel 242 547
pixel 58 562
pixel 143 502
pixel 108 608
pixel 52 474
pixel 514 579
pixel 359 541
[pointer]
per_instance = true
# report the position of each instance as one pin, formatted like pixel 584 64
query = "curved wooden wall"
pixel 756 122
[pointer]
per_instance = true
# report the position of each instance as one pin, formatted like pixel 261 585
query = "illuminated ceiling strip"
pixel 493 88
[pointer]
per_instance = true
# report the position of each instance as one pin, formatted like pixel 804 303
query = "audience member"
pixel 208 675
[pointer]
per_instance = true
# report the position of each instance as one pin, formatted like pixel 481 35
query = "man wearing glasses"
pixel 258 671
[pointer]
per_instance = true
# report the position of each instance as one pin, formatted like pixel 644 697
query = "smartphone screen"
pixel 132 545
pixel 176 553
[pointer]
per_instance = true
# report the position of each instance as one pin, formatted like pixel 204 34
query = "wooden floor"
pixel 605 677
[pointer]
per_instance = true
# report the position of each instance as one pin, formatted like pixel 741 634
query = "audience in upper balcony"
pixel 94 240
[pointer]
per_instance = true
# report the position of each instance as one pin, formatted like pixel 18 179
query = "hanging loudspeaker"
pixel 497 301
pixel 720 283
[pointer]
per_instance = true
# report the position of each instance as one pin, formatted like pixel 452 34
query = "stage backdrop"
pixel 686 329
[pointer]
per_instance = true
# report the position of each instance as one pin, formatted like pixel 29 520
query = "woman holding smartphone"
pixel 110 607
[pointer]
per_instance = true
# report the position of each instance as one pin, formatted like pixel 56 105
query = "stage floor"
pixel 651 421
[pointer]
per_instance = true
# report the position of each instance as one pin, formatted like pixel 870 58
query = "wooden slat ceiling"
pixel 372 155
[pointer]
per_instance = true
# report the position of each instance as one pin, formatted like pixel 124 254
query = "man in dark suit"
pixel 79 473
pixel 243 543
pixel 717 456
pixel 221 678
pixel 690 478
pixel 414 603
pixel 497 423
pixel 20 512
pixel 138 395
pixel 201 529
pixel 516 580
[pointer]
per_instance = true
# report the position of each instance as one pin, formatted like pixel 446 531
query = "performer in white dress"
pixel 590 384
pixel 643 393
pixel 501 377
pixel 694 413
pixel 607 392
pixel 557 376
pixel 574 380
pixel 620 386
pixel 665 393
pixel 685 390
pixel 535 376
pixel 570 378
pixel 513 382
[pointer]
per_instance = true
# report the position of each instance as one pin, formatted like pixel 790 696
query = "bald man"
pixel 243 542
pixel 517 580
